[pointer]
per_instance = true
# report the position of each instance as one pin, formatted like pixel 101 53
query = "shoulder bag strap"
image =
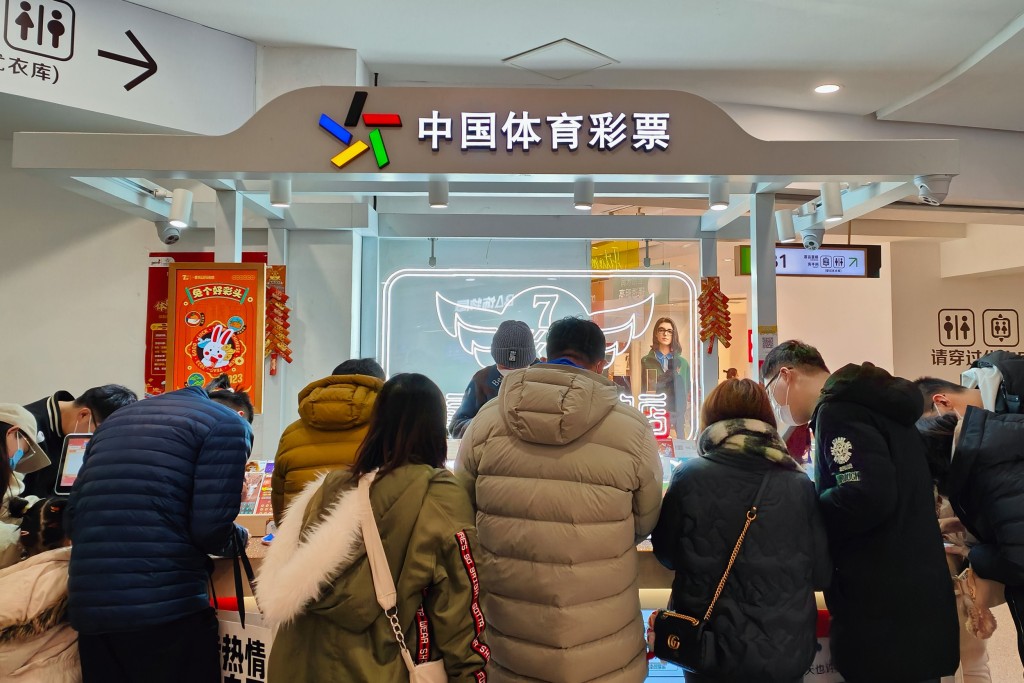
pixel 751 516
pixel 383 584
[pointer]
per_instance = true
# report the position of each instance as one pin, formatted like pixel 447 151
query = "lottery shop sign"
pixel 216 325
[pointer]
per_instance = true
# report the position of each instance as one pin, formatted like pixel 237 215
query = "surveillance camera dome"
pixel 812 237
pixel 932 189
pixel 168 233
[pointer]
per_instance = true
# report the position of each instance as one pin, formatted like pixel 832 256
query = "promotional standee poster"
pixel 156 308
pixel 216 326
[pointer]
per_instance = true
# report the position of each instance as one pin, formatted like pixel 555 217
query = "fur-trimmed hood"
pixel 305 556
pixel 35 596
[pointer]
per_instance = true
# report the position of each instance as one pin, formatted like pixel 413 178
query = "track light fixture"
pixel 832 202
pixel 181 209
pixel 583 194
pixel 718 194
pixel 437 192
pixel 647 253
pixel 281 193
pixel 432 261
pixel 784 225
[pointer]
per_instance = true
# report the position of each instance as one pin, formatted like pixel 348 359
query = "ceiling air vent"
pixel 560 60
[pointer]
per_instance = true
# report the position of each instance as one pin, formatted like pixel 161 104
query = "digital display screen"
pixel 71 459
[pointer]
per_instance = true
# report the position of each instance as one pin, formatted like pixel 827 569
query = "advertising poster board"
pixel 156 308
pixel 216 326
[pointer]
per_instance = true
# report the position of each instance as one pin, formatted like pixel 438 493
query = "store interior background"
pixel 73 272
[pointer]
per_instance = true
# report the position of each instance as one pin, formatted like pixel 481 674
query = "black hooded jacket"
pixel 893 610
pixel 987 492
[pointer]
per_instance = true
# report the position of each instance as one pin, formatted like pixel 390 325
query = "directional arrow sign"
pixel 854 261
pixel 83 59
pixel 149 64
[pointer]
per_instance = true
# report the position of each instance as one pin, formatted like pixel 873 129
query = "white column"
pixel 763 304
pixel 276 402
pixel 227 227
pixel 323 265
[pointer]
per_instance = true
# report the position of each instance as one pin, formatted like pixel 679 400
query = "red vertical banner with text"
pixel 156 315
pixel 216 326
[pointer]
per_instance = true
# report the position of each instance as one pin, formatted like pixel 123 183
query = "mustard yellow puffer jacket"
pixel 334 415
pixel 565 481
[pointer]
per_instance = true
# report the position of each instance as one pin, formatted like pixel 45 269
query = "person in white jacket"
pixel 37 644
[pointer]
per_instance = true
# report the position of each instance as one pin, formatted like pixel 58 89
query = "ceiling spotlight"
pixel 432 261
pixel 832 202
pixel 784 225
pixel 827 88
pixel 181 209
pixel 281 193
pixel 647 253
pixel 718 194
pixel 583 194
pixel 437 192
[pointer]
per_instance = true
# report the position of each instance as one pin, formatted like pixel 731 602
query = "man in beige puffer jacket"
pixel 566 481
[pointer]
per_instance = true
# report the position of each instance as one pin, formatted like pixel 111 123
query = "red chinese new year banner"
pixel 216 326
pixel 156 309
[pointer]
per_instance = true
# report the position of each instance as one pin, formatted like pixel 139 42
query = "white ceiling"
pixel 765 52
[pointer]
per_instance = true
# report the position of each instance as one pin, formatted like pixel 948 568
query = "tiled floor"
pixel 1002 649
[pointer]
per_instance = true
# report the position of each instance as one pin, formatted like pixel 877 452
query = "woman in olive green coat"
pixel 316 584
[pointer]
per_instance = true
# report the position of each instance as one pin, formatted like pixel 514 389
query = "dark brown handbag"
pixel 689 641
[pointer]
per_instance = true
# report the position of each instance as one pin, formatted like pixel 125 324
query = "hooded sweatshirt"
pixel 893 610
pixel 334 415
pixel 37 645
pixel 316 583
pixel 566 480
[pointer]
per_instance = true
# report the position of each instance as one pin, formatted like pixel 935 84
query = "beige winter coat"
pixel 565 480
pixel 37 645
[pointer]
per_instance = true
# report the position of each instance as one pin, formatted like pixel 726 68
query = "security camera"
pixel 167 232
pixel 812 237
pixel 932 189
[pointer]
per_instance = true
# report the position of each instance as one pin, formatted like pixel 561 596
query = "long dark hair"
pixel 407 426
pixel 676 346
pixel 42 524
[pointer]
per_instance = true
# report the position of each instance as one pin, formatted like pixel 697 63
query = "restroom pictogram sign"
pixel 957 327
pixel 41 27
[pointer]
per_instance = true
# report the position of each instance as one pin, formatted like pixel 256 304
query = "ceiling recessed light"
pixel 827 89
pixel 728 260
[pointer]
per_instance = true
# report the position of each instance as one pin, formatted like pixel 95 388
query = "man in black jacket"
pixel 63 414
pixel 994 382
pixel 986 482
pixel 892 604
pixel 512 348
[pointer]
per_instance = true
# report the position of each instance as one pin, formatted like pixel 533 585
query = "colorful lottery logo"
pixel 355 149
pixel 195 380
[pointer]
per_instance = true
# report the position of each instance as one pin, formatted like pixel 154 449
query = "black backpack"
pixel 1011 367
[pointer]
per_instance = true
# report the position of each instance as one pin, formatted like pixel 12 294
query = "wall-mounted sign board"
pixel 831 261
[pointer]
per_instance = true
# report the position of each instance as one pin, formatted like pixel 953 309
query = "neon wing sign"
pixel 538 307
pixel 473 326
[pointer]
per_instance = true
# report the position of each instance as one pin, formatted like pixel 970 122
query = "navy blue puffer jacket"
pixel 159 491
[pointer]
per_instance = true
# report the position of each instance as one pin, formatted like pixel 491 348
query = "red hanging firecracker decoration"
pixel 277 340
pixel 713 306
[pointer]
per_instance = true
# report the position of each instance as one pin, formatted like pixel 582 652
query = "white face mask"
pixel 504 372
pixel 783 413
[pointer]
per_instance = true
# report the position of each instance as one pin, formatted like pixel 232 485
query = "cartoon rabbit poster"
pixel 216 326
